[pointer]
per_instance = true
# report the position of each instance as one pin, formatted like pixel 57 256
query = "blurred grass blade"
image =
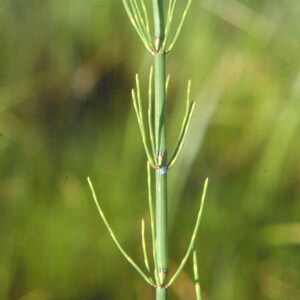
pixel 281 234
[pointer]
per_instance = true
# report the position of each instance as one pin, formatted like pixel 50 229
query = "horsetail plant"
pixel 154 136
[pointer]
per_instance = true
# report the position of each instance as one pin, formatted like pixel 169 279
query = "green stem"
pixel 161 151
pixel 161 176
pixel 159 23
pixel 161 293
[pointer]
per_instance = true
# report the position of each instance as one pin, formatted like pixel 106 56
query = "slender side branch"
pixel 129 259
pixel 152 218
pixel 167 83
pixel 145 16
pixel 180 26
pixel 145 247
pixel 137 103
pixel 190 106
pixel 139 22
pixel 150 126
pixel 196 275
pixel 191 245
pixel 170 14
pixel 181 139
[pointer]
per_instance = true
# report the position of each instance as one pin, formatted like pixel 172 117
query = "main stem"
pixel 161 152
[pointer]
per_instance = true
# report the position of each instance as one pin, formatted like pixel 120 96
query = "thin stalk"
pixel 150 100
pixel 193 238
pixel 185 125
pixel 129 259
pixel 153 232
pixel 155 142
pixel 146 261
pixel 136 97
pixel 196 275
pixel 180 25
pixel 161 151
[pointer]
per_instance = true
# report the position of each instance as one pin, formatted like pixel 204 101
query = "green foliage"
pixel 66 68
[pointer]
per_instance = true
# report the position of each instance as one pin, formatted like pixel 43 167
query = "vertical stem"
pixel 159 23
pixel 161 151
pixel 161 293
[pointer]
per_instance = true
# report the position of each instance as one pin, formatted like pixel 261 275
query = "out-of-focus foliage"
pixel 67 68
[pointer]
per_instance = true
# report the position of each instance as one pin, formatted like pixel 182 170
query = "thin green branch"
pixel 137 103
pixel 170 14
pixel 146 17
pixel 138 92
pixel 132 17
pixel 150 101
pixel 129 259
pixel 140 20
pixel 180 26
pixel 172 4
pixel 196 275
pixel 167 83
pixel 190 106
pixel 193 238
pixel 138 15
pixel 152 218
pixel 182 135
pixel 145 247
pixel 139 24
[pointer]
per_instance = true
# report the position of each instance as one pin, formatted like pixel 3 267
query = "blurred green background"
pixel 67 68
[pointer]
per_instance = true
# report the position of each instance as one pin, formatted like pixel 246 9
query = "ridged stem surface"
pixel 161 151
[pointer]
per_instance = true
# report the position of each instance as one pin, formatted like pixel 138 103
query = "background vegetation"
pixel 67 68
